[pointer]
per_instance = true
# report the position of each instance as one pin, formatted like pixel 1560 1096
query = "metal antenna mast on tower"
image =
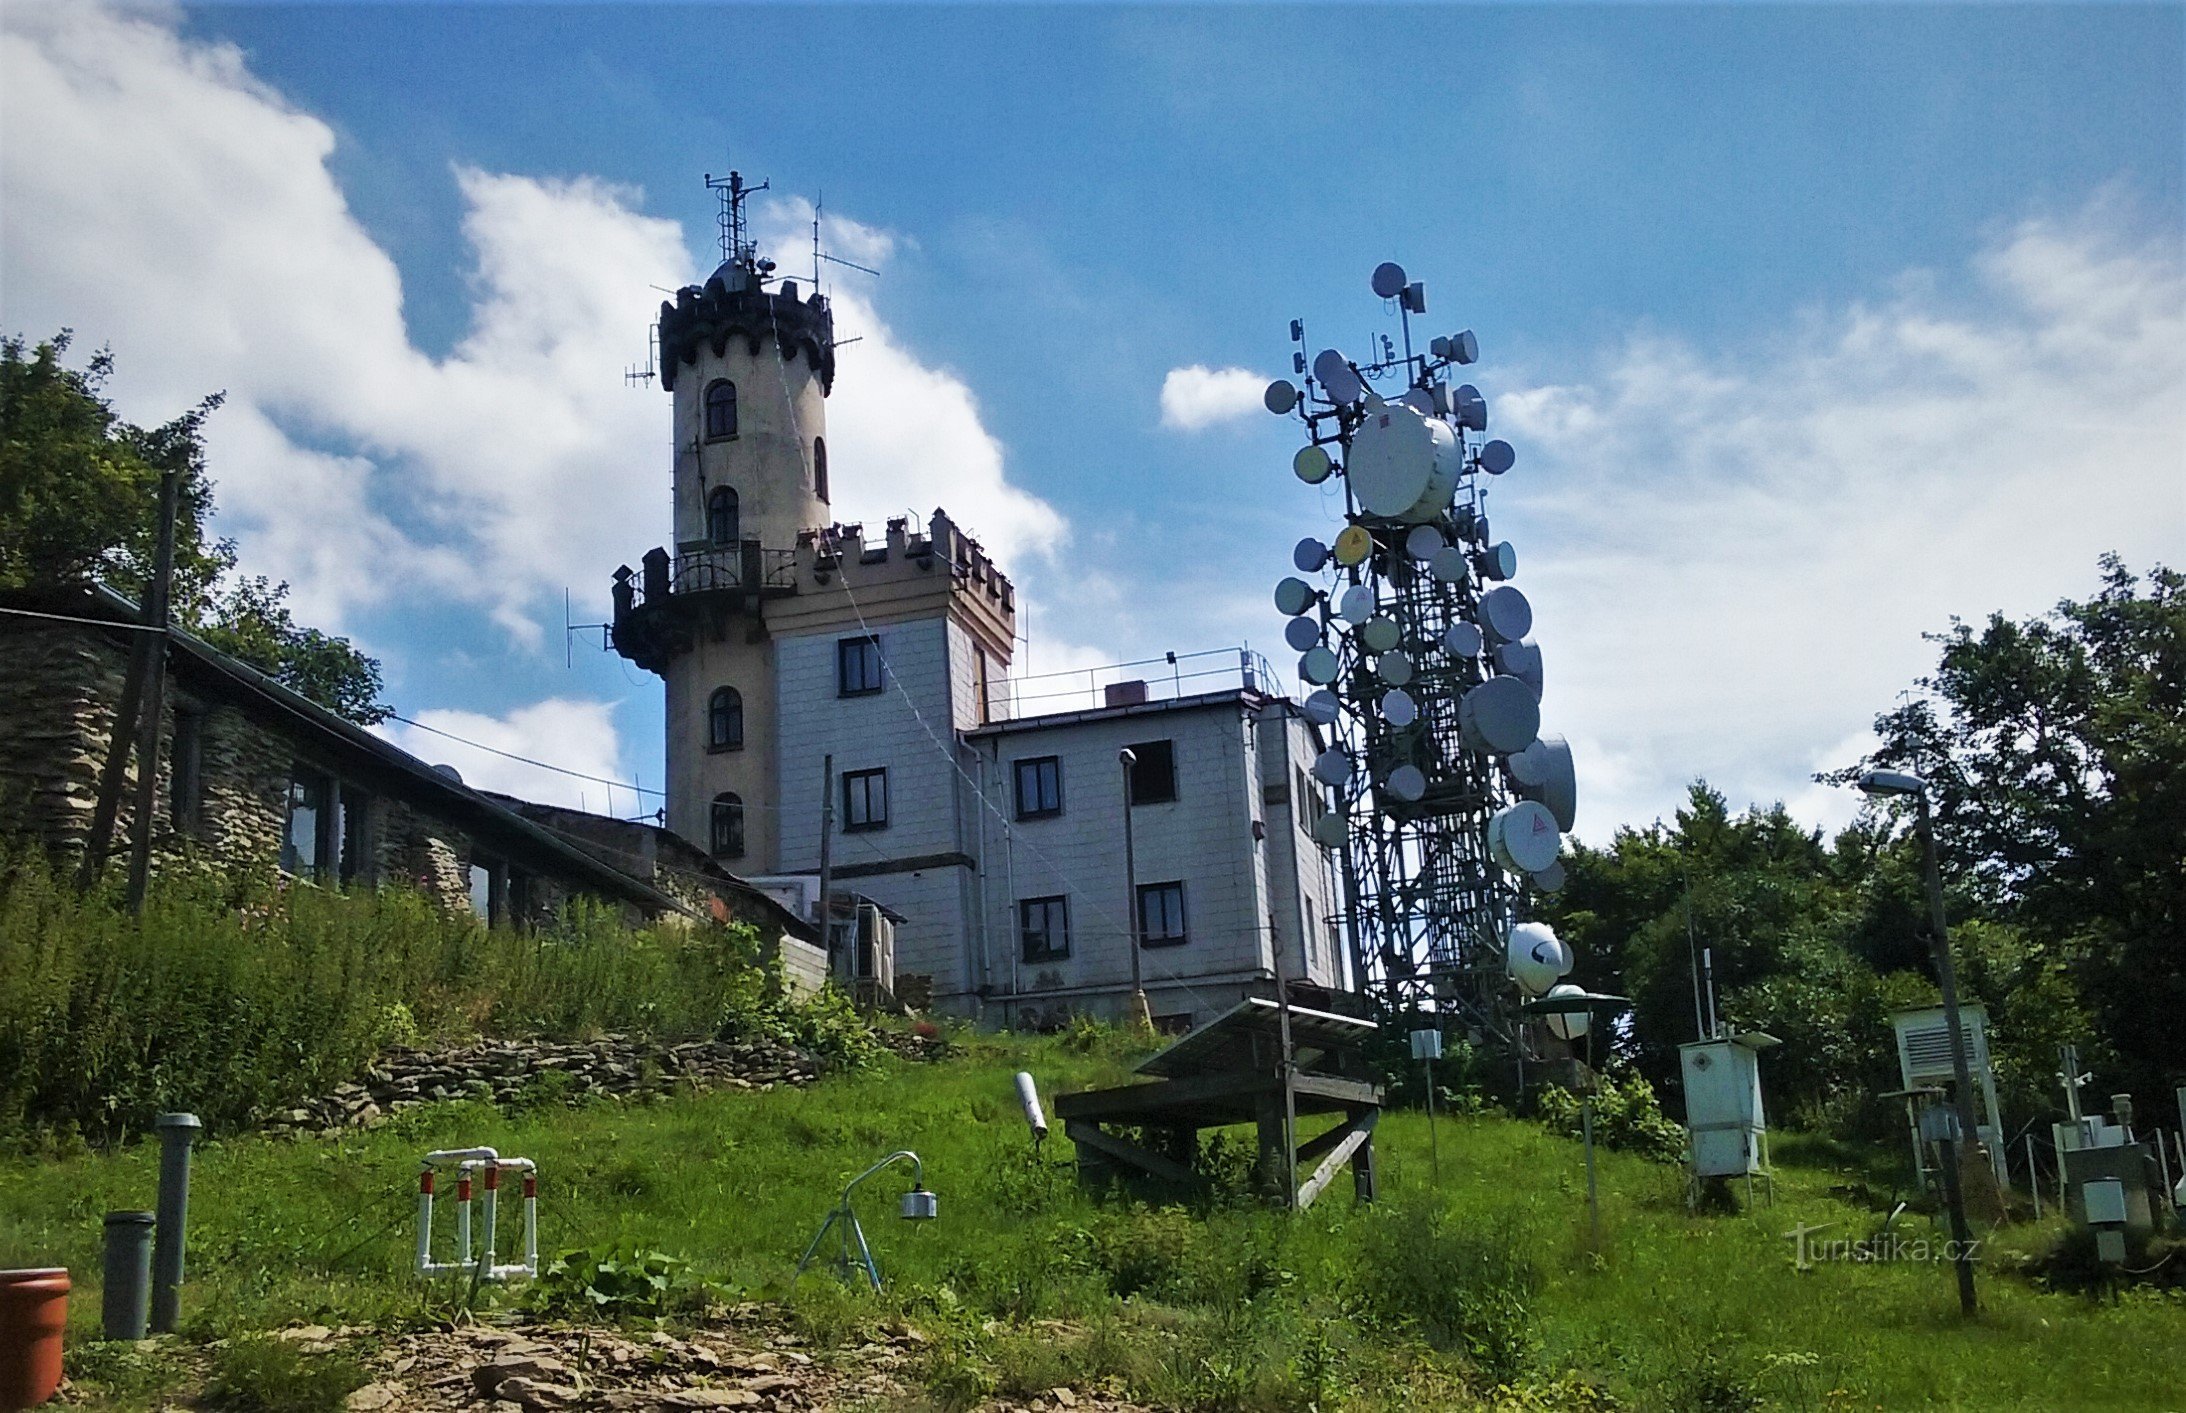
pixel 730 216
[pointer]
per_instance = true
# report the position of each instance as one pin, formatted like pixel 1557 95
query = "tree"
pixel 2055 749
pixel 79 494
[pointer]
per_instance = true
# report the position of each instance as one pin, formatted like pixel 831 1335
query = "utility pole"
pixel 158 611
pixel 1142 1016
pixel 827 839
pixel 147 655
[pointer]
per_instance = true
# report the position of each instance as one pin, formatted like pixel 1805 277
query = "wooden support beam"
pixel 1087 1135
pixel 1355 1136
pixel 1314 1147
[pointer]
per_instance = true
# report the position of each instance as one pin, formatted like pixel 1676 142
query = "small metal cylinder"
pixel 176 1133
pixel 126 1295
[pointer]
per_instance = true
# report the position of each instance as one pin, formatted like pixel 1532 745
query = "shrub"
pixel 253 1374
pixel 1626 1117
pixel 620 1282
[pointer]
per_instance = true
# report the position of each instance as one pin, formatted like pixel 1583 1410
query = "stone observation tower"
pixel 782 637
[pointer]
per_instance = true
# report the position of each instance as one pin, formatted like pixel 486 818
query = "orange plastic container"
pixel 33 1312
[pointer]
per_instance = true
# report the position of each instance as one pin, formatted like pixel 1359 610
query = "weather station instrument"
pixel 1449 803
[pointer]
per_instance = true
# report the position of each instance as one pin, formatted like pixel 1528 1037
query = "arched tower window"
pixel 819 467
pixel 723 523
pixel 725 720
pixel 728 825
pixel 720 409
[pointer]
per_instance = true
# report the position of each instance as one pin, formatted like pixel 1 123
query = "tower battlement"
pixel 734 304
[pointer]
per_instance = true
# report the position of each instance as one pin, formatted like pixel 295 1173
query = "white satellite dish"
pixel 1329 830
pixel 1535 957
pixel 1407 783
pixel 1404 466
pixel 1318 666
pixel 1389 279
pixel 1394 668
pixel 1497 457
pixel 1550 879
pixel 1310 556
pixel 1464 348
pixel 1499 715
pixel 1567 1025
pixel 1281 396
pixel 1311 465
pixel 1462 640
pixel 1293 596
pixel 1398 708
pixel 1469 408
pixel 1422 541
pixel 1448 565
pixel 1559 787
pixel 1303 634
pixel 1322 708
pixel 1498 561
pixel 1380 634
pixel 1529 768
pixel 1505 613
pixel 1356 605
pixel 1521 660
pixel 1337 380
pixel 1333 768
pixel 1419 400
pixel 1527 840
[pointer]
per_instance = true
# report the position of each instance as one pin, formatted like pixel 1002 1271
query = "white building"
pixel 797 652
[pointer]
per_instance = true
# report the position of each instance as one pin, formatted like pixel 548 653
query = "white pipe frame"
pixel 489 1165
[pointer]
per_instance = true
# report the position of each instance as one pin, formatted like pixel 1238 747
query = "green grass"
pixel 1434 1296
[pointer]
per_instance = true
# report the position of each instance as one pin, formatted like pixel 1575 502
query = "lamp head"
pixel 1127 756
pixel 919 1205
pixel 1892 782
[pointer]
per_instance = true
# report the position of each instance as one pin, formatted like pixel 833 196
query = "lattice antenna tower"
pixel 736 245
pixel 1448 805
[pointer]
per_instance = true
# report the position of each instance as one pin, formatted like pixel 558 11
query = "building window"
pixel 725 720
pixel 865 800
pixel 186 769
pixel 724 522
pixel 858 666
pixel 486 889
pixel 356 864
pixel 1161 915
pixel 819 467
pixel 728 825
pixel 1043 924
pixel 720 409
pixel 305 846
pixel 1039 787
pixel 1153 772
pixel 1310 805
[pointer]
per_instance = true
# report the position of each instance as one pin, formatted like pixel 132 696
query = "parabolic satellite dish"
pixel 1318 666
pixel 1329 830
pixel 1337 380
pixel 1422 541
pixel 1536 957
pixel 1356 605
pixel 1505 613
pixel 1469 407
pixel 1407 783
pixel 1462 640
pixel 1311 465
pixel 1499 715
pixel 1521 660
pixel 1497 457
pixel 1281 396
pixel 1389 279
pixel 1550 879
pixel 1353 546
pixel 1404 466
pixel 1398 708
pixel 1380 634
pixel 1322 707
pixel 1498 561
pixel 1526 839
pixel 1394 668
pixel 1549 778
pixel 1303 634
pixel 1420 401
pixel 1293 596
pixel 1310 556
pixel 1448 565
pixel 1333 768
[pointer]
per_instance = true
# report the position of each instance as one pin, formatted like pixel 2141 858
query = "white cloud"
pixel 1198 397
pixel 1734 553
pixel 575 735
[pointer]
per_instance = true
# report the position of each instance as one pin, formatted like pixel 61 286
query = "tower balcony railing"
pixel 746 567
pixel 1170 677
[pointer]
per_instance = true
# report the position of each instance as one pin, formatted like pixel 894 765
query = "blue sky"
pixel 1813 325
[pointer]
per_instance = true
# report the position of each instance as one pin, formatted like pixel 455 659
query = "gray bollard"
pixel 176 1132
pixel 126 1298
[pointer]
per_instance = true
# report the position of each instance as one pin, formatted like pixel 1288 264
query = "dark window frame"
pixel 1051 909
pixel 325 838
pixel 725 720
pixel 724 516
pixel 858 787
pixel 725 826
pixel 819 468
pixel 1141 777
pixel 719 428
pixel 356 852
pixel 871 674
pixel 1040 809
pixel 1160 892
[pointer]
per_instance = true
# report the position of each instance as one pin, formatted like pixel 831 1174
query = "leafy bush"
pixel 253 1374
pixel 620 1283
pixel 1626 1117
pixel 231 997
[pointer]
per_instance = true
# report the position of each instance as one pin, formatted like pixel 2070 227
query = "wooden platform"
pixel 1233 1071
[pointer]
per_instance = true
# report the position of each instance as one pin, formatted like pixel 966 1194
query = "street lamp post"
pixel 1894 782
pixel 1142 1015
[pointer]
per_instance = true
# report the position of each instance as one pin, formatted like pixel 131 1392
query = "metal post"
pixel 1434 1141
pixel 2034 1179
pixel 157 614
pixel 1593 1197
pixel 827 839
pixel 1947 980
pixel 125 1300
pixel 1141 1015
pixel 1954 1194
pixel 176 1133
pixel 1285 1068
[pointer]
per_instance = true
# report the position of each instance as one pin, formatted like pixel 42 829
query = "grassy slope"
pixel 1669 1312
